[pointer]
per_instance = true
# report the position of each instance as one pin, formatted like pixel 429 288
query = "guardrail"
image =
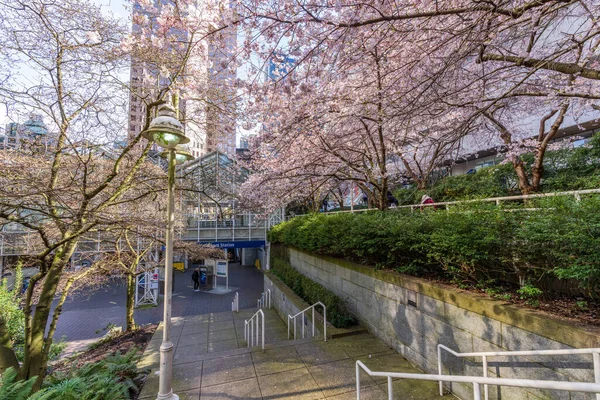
pixel 235 304
pixel 477 381
pixel 301 313
pixel 250 334
pixel 485 354
pixel 265 299
pixel 575 193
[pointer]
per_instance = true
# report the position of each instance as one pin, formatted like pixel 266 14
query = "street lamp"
pixel 167 132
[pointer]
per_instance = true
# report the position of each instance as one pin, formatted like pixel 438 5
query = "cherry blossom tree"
pixel 65 62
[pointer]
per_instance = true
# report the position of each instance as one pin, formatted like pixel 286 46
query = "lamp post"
pixel 166 131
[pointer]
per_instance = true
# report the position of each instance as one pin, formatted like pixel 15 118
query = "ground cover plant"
pixel 546 244
pixel 312 292
pixel 106 371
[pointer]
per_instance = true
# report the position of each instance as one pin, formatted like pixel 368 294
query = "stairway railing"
pixel 477 381
pixel 252 331
pixel 235 304
pixel 301 313
pixel 595 352
pixel 265 299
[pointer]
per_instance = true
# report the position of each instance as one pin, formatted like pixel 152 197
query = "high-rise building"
pixel 208 117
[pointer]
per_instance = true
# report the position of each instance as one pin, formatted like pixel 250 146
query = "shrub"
pixel 312 292
pixel 558 239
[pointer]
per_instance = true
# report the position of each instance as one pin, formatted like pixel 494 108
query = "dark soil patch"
pixel 582 311
pixel 121 343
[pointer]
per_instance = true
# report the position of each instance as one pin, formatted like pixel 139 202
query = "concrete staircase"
pixel 212 361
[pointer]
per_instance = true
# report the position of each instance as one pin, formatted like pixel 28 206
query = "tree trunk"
pixel 7 355
pixel 130 322
pixel 519 168
pixel 35 360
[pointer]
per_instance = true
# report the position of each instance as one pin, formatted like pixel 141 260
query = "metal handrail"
pixel 250 334
pixel 265 299
pixel 313 320
pixel 485 354
pixel 235 304
pixel 477 381
pixel 576 193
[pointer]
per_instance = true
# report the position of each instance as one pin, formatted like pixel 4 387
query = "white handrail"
pixel 575 193
pixel 265 299
pixel 485 354
pixel 477 381
pixel 250 334
pixel 313 320
pixel 235 304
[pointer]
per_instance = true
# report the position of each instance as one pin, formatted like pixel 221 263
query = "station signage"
pixel 237 244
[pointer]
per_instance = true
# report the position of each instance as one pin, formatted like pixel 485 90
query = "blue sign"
pixel 237 244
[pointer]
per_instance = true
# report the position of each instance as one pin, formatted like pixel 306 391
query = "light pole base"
pixel 172 396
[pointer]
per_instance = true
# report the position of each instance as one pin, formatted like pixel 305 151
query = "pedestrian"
pixel 195 278
pixel 427 200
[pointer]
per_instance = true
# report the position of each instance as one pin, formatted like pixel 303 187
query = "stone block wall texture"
pixel 413 316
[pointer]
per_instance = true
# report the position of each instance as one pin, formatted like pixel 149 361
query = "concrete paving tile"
pixel 194 329
pixel 243 389
pixel 389 361
pixel 223 345
pixel 338 377
pixel 220 325
pixel 227 369
pixel 369 393
pixel 224 316
pixel 276 360
pixel 193 394
pixel 295 384
pixel 411 389
pixel 193 339
pixel 187 376
pixel 219 336
pixel 358 345
pixel 190 351
pixel 313 353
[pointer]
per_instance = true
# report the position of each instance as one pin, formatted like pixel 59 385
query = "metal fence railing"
pixel 497 200
pixel 485 355
pixel 255 328
pixel 477 381
pixel 265 299
pixel 303 321
pixel 235 304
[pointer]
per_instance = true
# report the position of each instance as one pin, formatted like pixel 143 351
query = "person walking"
pixel 196 279
pixel 427 200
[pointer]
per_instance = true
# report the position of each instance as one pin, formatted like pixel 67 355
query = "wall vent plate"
pixel 411 298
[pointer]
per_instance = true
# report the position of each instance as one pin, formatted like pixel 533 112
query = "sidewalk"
pixel 84 317
pixel 212 362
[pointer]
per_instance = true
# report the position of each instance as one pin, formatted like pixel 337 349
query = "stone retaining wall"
pixel 286 302
pixel 413 316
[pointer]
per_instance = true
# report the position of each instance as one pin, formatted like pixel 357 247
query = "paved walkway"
pixel 84 317
pixel 211 361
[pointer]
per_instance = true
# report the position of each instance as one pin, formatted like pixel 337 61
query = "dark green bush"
pixel 312 292
pixel 559 239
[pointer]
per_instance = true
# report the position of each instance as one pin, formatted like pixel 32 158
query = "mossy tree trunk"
pixel 130 321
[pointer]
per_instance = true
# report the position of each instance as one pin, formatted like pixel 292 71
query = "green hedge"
pixel 568 169
pixel 311 292
pixel 477 243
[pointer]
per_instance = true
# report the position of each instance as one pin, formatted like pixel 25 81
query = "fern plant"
pixel 12 389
